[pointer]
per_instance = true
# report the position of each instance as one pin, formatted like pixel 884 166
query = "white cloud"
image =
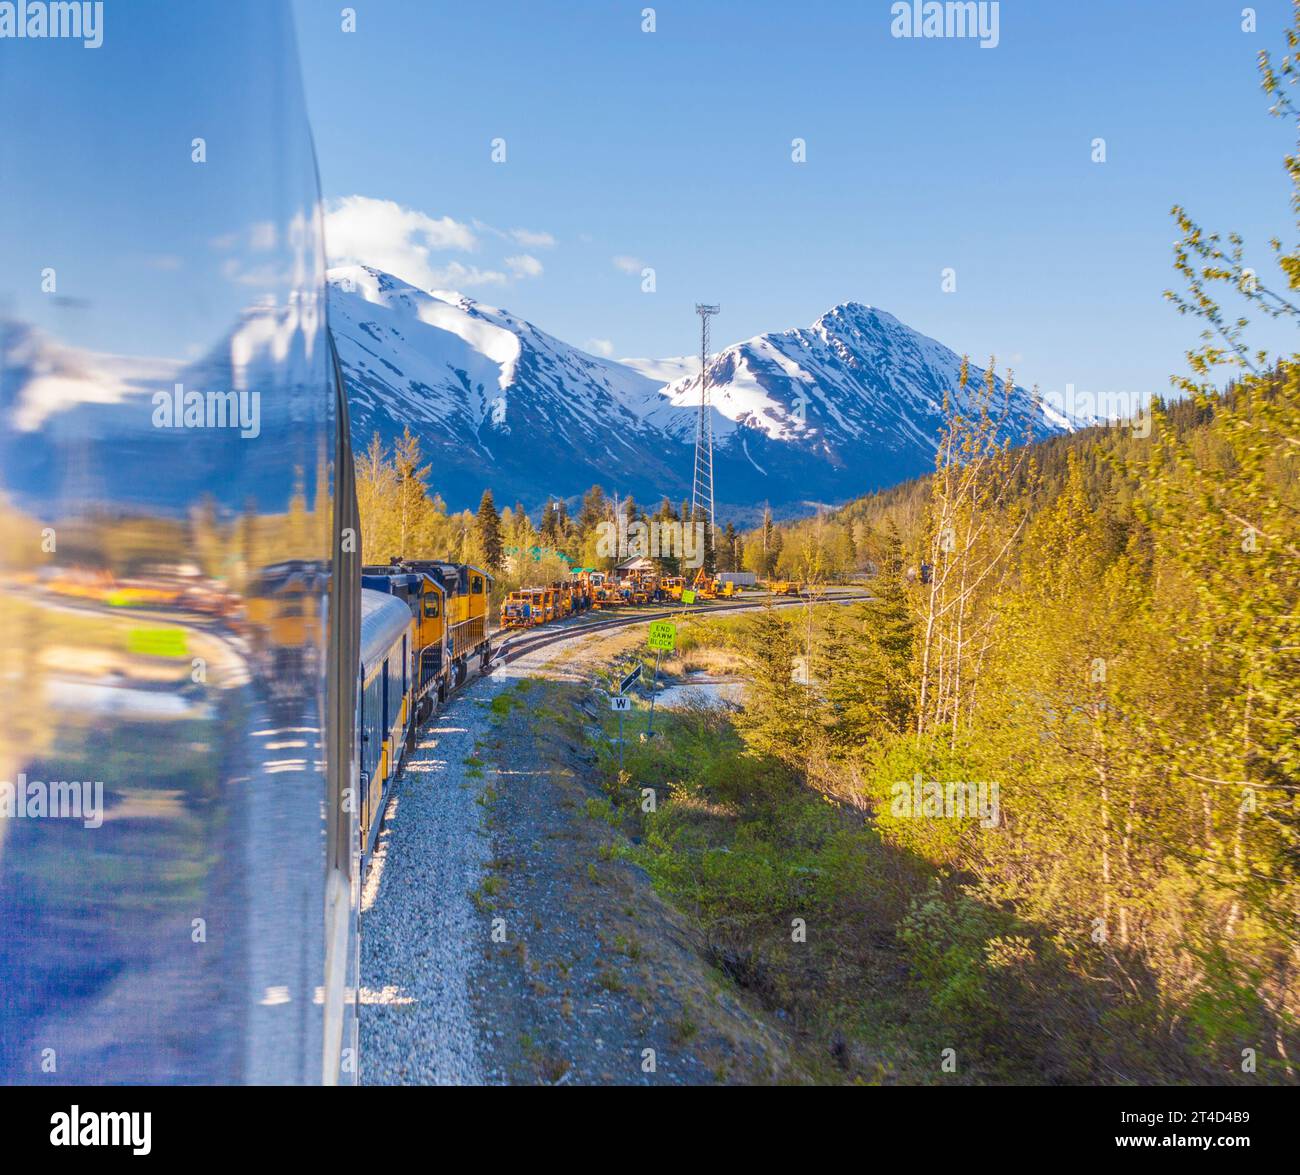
pixel 265 276
pixel 629 264
pixel 262 237
pixel 360 230
pixel 521 236
pixel 524 265
pixel 532 240
pixel 455 276
pixel 600 347
pixel 400 241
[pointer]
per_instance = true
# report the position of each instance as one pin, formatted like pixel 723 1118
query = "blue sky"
pixel 672 149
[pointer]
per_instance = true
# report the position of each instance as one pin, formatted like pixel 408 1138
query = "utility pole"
pixel 702 491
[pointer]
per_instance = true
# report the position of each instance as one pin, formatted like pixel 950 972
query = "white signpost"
pixel 620 704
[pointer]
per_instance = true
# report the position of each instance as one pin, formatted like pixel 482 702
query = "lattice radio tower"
pixel 702 492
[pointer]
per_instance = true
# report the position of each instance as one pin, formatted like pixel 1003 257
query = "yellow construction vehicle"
pixel 706 587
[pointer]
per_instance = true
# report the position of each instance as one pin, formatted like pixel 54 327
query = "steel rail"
pixel 515 647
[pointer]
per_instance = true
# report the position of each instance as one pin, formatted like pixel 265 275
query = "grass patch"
pixel 740 844
pixel 602 809
pixel 501 705
pixel 609 980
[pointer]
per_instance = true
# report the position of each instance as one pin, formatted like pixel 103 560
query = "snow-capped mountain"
pixel 822 414
pixel 494 400
pixel 857 374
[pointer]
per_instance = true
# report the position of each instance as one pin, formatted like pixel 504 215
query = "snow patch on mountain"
pixel 848 404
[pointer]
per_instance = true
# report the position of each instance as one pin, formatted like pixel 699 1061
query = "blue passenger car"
pixel 384 710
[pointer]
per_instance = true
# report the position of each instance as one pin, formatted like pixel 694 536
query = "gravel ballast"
pixel 420 928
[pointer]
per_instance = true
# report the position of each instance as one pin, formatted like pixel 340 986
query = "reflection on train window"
pixel 431 606
pixel 476 585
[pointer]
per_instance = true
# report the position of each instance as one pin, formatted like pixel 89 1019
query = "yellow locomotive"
pixel 424 624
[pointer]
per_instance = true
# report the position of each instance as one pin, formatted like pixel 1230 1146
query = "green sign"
pixel 158 642
pixel 688 596
pixel 663 635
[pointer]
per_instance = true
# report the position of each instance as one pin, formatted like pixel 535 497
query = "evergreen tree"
pixel 563 526
pixel 776 716
pixel 864 665
pixel 727 560
pixel 775 544
pixel 548 528
pixel 669 559
pixel 489 532
pixel 594 511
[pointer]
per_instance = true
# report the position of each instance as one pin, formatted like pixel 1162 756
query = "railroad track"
pixel 530 641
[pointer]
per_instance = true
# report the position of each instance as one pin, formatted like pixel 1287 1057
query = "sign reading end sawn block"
pixel 663 636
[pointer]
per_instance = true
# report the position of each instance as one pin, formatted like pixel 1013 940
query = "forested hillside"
pixel 1098 632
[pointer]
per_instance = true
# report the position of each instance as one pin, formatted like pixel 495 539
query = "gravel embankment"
pixel 592 979
pixel 420 929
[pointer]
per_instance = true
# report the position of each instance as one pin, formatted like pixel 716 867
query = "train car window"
pixel 374 720
pixel 394 697
pixel 431 606
pixel 377 722
pixel 476 585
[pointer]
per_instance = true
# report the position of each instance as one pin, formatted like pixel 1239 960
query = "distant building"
pixel 633 566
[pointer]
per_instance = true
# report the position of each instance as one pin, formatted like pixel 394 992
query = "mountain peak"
pixel 857 313
pixel 850 404
pixel 850 308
